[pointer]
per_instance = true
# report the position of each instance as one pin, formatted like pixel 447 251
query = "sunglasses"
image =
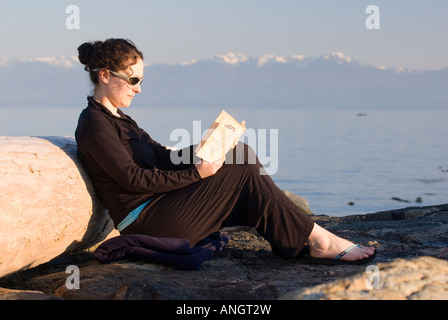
pixel 133 81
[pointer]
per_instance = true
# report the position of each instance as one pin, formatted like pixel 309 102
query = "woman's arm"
pixel 168 159
pixel 182 159
pixel 101 149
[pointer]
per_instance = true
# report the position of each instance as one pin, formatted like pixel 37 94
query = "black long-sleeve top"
pixel 126 166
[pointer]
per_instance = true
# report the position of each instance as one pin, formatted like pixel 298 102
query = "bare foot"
pixel 324 244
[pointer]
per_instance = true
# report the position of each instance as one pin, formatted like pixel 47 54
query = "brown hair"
pixel 113 54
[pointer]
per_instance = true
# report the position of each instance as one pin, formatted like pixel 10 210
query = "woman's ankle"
pixel 319 238
pixel 325 244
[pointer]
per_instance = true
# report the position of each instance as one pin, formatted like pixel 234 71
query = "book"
pixel 222 136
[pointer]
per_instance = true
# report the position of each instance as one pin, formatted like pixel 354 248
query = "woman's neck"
pixel 107 103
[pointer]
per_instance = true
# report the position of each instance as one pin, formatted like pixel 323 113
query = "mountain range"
pixel 235 80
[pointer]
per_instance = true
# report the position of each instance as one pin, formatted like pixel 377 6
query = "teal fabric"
pixel 131 217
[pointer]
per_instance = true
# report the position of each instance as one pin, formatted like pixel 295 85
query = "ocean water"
pixel 342 161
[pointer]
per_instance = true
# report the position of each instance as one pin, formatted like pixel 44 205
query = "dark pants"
pixel 237 195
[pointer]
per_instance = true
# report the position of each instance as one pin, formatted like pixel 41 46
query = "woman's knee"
pixel 242 154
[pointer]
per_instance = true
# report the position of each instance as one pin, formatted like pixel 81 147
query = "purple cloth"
pixel 176 253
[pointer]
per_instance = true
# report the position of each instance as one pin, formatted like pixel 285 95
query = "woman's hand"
pixel 207 169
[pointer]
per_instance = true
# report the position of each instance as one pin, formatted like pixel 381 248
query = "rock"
pixel 411 244
pixel 408 232
pixel 399 199
pixel 8 294
pixel 299 201
pixel 422 278
pixel 47 203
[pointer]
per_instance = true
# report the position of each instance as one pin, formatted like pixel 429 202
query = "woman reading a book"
pixel 146 193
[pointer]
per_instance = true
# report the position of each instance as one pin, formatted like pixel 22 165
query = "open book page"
pixel 222 135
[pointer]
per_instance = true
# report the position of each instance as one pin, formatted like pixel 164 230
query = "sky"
pixel 411 34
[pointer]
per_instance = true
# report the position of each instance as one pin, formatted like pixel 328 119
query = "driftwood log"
pixel 48 207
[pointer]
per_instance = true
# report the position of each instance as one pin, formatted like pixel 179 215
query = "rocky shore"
pixel 412 247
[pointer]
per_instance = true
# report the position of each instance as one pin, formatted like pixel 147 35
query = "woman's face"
pixel 119 92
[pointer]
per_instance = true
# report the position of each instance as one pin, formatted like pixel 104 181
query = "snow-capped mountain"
pixel 235 80
pixel 237 59
pixel 63 61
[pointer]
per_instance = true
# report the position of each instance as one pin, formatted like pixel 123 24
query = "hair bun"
pixel 85 52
